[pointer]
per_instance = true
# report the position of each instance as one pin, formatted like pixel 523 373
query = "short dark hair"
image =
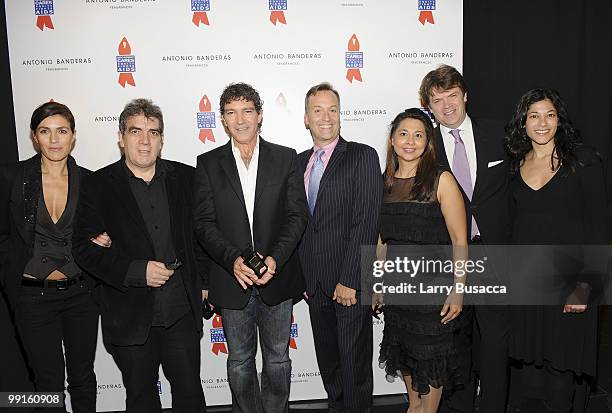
pixel 51 109
pixel 444 77
pixel 144 107
pixel 240 91
pixel 321 87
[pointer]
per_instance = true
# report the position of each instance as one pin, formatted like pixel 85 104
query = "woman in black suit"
pixel 49 293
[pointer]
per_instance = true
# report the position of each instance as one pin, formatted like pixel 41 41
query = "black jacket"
pixel 279 218
pixel 107 204
pixel 19 189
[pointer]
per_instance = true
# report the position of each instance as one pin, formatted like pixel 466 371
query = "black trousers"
pixel 46 318
pixel 177 350
pixel 343 344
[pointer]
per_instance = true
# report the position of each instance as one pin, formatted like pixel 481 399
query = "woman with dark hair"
pixel 422 206
pixel 558 198
pixel 48 292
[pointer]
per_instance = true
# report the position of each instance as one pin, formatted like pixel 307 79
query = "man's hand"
pixel 157 274
pixel 271 263
pixel 345 295
pixel 102 240
pixel 244 275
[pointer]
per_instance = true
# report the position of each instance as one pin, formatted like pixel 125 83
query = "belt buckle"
pixel 61 285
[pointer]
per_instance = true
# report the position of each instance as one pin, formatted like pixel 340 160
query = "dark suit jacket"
pixel 490 200
pixel 279 219
pixel 346 216
pixel 20 188
pixel 107 204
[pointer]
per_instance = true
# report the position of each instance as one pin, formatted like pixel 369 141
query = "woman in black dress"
pixel 558 198
pixel 422 206
pixel 49 293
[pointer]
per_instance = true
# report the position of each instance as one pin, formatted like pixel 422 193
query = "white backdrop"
pixel 182 53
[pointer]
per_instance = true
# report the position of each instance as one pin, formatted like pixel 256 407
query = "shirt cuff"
pixel 136 275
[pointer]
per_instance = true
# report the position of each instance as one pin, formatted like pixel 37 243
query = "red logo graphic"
pixel 126 63
pixel 206 120
pixel 217 336
pixel 293 334
pixel 426 8
pixel 199 9
pixel 353 60
pixel 43 10
pixel 277 11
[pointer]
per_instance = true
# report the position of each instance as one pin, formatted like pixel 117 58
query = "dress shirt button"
pixel 65 243
pixel 43 243
pixel 44 260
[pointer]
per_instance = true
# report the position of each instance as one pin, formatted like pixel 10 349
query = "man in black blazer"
pixel 151 288
pixel 344 187
pixel 485 193
pixel 249 197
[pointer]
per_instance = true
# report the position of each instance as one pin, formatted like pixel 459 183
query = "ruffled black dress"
pixel 415 342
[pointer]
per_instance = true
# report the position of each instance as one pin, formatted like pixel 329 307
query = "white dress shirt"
pixel 248 181
pixel 467 136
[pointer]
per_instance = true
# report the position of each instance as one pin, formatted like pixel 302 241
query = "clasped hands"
pixel 246 277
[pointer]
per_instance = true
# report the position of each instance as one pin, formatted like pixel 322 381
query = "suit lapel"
pixel 335 160
pixel 480 143
pixel 123 192
pixel 265 168
pixel 440 150
pixel 228 164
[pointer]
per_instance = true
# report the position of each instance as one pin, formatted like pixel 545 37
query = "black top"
pixel 170 300
pixel 53 241
pixel 569 209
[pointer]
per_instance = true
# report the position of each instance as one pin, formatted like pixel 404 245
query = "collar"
pixel 465 126
pixel 160 170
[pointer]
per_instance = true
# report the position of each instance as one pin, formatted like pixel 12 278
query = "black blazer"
pixel 346 216
pixel 490 200
pixel 107 204
pixel 279 218
pixel 20 187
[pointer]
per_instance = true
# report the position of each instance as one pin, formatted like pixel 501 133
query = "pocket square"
pixel 493 163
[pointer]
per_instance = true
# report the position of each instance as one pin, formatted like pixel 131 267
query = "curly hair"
pixel 427 170
pixel 566 139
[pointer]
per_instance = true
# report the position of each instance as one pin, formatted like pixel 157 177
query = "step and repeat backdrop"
pixel 96 55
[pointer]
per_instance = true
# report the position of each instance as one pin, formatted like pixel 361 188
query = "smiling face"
pixel 54 138
pixel 322 117
pixel 409 140
pixel 448 106
pixel 541 122
pixel 142 142
pixel 242 121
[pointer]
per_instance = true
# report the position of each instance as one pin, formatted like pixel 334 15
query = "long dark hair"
pixel 427 170
pixel 567 139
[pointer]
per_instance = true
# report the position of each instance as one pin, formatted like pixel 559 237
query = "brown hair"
pixel 444 77
pixel 321 87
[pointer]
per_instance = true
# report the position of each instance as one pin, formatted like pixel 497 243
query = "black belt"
pixel 59 285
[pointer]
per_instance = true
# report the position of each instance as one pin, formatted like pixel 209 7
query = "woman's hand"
pixel 452 307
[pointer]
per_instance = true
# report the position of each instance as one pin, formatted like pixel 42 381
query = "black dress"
pixel 415 342
pixel 569 209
